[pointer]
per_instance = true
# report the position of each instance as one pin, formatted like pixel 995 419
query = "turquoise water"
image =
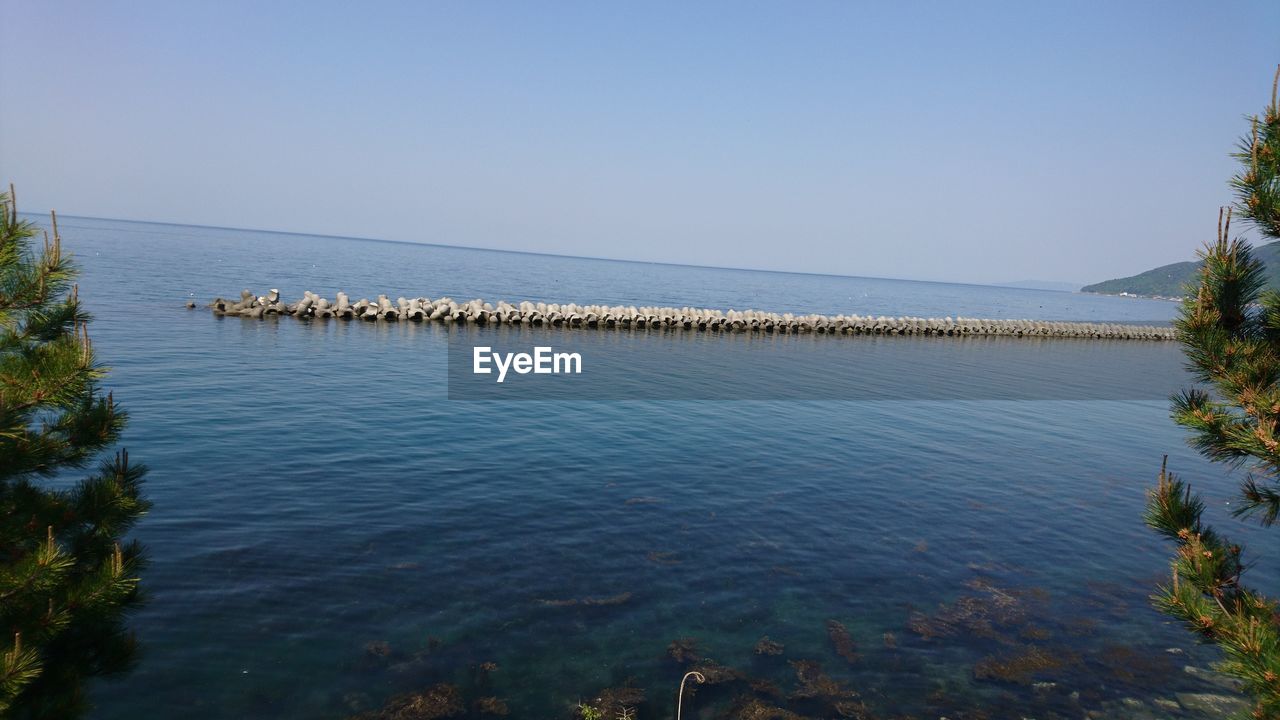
pixel 330 530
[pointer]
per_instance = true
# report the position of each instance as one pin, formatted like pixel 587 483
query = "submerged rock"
pixel 842 641
pixel 684 650
pixel 1215 678
pixel 1022 666
pixel 853 709
pixel 1034 632
pixel 982 615
pixel 817 685
pixel 439 701
pixel 491 706
pixel 1141 666
pixel 765 646
pixel 749 708
pixel 1213 704
pixel 715 673
pixel 616 702
pixel 762 686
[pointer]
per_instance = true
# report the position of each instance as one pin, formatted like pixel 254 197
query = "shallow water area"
pixel 330 530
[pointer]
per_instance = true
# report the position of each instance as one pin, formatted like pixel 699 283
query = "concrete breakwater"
pixel 479 312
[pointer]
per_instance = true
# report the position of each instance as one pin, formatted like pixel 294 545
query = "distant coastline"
pixel 1171 282
pixel 1139 296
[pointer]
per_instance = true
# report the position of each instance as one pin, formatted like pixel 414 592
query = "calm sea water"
pixel 330 530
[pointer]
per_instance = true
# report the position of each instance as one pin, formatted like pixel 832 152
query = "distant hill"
pixel 1171 280
pixel 1165 281
pixel 1053 285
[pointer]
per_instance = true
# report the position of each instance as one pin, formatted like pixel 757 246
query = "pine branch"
pixel 1259 500
pixel 19 667
pixel 1230 333
pixel 66 580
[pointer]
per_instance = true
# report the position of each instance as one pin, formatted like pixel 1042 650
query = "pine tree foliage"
pixel 1230 332
pixel 1257 186
pixel 66 575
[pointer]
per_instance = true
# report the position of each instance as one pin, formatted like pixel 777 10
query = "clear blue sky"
pixel 967 141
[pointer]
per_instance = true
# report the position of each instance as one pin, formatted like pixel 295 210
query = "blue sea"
pixel 331 531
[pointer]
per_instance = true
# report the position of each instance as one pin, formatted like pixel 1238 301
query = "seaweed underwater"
pixel 1023 650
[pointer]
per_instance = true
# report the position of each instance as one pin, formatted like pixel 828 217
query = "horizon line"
pixel 554 254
